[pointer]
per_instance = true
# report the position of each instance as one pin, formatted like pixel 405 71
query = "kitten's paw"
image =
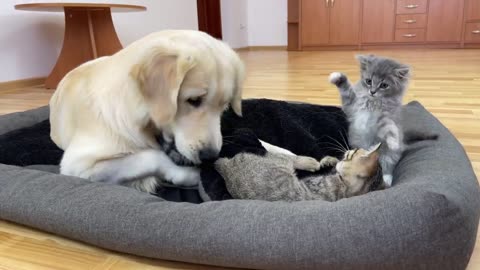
pixel 337 78
pixel 387 179
pixel 393 144
pixel 306 164
pixel 328 161
pixel 184 176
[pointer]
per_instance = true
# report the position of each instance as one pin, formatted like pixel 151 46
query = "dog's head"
pixel 187 85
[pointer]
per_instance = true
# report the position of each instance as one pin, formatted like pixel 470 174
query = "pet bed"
pixel 427 220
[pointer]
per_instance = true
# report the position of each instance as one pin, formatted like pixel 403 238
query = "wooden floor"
pixel 447 82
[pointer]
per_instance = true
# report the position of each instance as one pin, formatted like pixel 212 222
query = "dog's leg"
pixel 275 149
pixel 306 163
pixel 144 165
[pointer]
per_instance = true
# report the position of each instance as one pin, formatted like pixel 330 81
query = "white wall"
pixel 267 22
pixel 234 22
pixel 30 41
pixel 160 14
pixel 254 22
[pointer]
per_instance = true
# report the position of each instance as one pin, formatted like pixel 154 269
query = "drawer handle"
pixel 410 35
pixel 411 6
pixel 476 32
pixel 410 21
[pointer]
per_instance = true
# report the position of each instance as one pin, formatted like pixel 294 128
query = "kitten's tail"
pixel 340 80
pixel 416 136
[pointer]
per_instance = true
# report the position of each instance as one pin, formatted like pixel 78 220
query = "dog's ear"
pixel 159 78
pixel 236 102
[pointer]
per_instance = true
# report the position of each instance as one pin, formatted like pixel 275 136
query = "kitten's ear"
pixel 364 60
pixel 403 72
pixel 373 150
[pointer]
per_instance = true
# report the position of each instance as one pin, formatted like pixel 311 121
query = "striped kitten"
pixel 273 178
pixel 373 106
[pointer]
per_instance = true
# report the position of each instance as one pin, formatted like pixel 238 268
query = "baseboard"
pixel 22 83
pixel 262 48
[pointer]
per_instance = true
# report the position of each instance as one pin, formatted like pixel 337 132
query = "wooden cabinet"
pixel 344 22
pixel 330 22
pixel 378 22
pixel 357 24
pixel 411 21
pixel 315 22
pixel 472 22
pixel 472 10
pixel 445 19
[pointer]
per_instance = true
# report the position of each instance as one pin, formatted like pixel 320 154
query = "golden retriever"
pixel 107 113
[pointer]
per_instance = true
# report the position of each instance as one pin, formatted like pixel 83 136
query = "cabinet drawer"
pixel 472 33
pixel 410 35
pixel 411 6
pixel 411 21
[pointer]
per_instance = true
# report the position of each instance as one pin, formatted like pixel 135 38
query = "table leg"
pixel 89 33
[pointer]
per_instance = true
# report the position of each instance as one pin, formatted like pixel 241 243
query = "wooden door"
pixel 378 21
pixel 315 23
pixel 445 19
pixel 209 17
pixel 472 10
pixel 345 22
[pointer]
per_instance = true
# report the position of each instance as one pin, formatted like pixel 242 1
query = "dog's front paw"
pixel 337 78
pixel 306 164
pixel 185 176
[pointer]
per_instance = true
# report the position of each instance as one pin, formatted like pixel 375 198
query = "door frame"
pixel 210 18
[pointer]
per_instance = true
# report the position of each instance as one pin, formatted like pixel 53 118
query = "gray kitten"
pixel 373 107
pixel 272 177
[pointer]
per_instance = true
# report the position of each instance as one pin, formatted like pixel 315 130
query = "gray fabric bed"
pixel 428 220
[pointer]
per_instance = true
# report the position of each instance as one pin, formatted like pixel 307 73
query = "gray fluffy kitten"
pixel 373 107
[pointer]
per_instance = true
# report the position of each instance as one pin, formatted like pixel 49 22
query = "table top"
pixel 59 7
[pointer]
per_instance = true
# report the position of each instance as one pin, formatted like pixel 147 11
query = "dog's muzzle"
pixel 208 155
pixel 171 150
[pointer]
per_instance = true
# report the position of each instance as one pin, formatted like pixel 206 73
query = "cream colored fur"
pixel 105 113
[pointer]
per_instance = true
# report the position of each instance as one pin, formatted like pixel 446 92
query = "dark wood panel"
pixel 293 41
pixel 209 17
pixel 293 11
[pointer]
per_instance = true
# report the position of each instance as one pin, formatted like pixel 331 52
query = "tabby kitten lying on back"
pixel 273 178
pixel 373 106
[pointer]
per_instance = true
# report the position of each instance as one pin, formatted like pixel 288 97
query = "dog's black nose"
pixel 207 155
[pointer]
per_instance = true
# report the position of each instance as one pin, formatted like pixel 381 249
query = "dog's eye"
pixel 368 82
pixel 383 85
pixel 195 101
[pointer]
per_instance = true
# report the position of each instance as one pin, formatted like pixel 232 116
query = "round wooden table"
pixel 89 33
